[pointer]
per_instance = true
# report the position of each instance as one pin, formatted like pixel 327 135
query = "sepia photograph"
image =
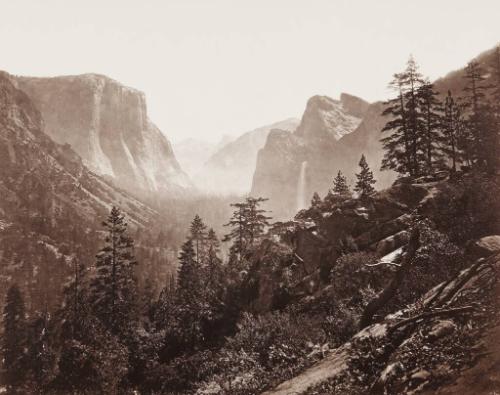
pixel 249 197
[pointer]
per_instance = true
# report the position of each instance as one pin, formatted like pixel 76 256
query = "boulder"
pixel 386 229
pixel 391 243
pixel 441 329
pixel 309 248
pixel 485 246
pixel 421 375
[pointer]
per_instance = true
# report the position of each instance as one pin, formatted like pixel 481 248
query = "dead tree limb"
pixel 430 314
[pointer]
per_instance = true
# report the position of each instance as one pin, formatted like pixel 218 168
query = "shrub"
pixel 356 277
pixel 267 349
pixel 467 209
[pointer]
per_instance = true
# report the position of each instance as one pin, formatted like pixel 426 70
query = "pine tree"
pixel 475 89
pixel 413 80
pixel 481 121
pixel 430 108
pixel 256 219
pixel 14 340
pixel 316 201
pixel 340 186
pixel 397 154
pixel 198 234
pixel 113 288
pixel 452 127
pixel 248 224
pixel 213 249
pixel 213 263
pixel 76 297
pixel 403 146
pixel 365 179
pixel 41 357
pixel 188 280
pixel 190 305
pixel 237 222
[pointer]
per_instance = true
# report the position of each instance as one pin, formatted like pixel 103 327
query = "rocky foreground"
pixel 445 343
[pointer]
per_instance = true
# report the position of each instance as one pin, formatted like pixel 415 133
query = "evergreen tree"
pixel 316 201
pixel 413 80
pixel 237 222
pixel 340 186
pixel 248 224
pixel 397 154
pixel 198 234
pixel 256 220
pixel 475 89
pixel 40 356
pixel 189 307
pixel 404 146
pixel 481 120
pixel 188 280
pixel 214 272
pixel 113 288
pixel 452 127
pixel 430 108
pixel 365 179
pixel 14 341
pixel 76 295
pixel 213 261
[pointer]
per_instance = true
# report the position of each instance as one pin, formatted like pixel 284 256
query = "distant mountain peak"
pixel 230 169
pixel 328 118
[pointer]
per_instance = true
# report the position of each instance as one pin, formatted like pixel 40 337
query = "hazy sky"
pixel 210 67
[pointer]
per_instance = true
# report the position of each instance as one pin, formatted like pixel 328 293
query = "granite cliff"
pixel 107 125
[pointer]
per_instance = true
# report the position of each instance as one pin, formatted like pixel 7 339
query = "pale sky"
pixel 210 67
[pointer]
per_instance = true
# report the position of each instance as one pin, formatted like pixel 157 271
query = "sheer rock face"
pixel 48 180
pixel 332 136
pixel 107 124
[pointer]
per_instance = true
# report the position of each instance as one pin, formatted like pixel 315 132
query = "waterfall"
pixel 301 187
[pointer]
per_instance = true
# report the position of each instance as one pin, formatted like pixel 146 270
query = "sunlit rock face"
pixel 327 118
pixel 107 124
pixel 42 179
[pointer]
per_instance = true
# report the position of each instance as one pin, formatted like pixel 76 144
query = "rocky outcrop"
pixel 231 168
pixel 107 124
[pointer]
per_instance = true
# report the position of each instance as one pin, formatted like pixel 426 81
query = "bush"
pixel 356 277
pixel 467 209
pixel 266 350
pixel 437 260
